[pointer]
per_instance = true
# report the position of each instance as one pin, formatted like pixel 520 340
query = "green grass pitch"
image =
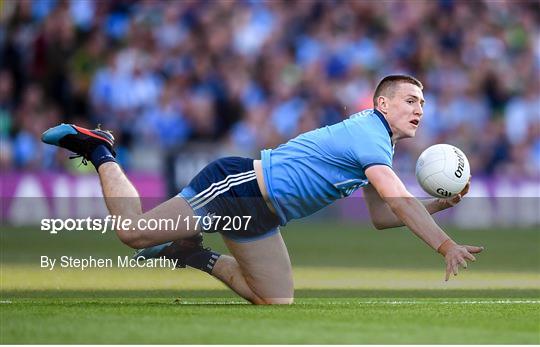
pixel 354 285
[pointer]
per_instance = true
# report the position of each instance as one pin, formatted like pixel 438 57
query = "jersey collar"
pixel 385 123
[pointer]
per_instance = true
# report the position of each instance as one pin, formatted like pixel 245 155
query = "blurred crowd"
pixel 247 75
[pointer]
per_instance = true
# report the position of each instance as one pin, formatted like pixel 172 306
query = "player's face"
pixel 404 110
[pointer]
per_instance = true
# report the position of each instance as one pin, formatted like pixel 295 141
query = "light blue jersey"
pixel 316 168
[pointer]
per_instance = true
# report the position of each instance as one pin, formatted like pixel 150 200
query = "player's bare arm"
pixel 415 216
pixel 382 216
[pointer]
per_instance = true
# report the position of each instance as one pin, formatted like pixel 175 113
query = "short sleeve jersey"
pixel 318 167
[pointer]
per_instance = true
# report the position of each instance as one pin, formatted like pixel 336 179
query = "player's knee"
pixel 278 301
pixel 378 225
pixel 273 301
pixel 280 297
pixel 132 239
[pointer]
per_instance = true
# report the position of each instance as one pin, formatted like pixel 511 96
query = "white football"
pixel 442 170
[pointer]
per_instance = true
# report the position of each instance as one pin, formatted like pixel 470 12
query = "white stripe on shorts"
pixel 218 185
pixel 232 183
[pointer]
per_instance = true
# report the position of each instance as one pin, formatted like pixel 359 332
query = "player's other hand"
pixel 457 255
pixel 454 200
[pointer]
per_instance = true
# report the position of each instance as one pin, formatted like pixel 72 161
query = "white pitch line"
pixel 210 303
pixel 463 302
pixel 393 302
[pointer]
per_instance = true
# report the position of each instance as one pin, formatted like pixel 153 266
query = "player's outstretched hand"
pixel 453 201
pixel 457 255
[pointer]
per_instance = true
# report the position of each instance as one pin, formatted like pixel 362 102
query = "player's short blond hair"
pixel 387 86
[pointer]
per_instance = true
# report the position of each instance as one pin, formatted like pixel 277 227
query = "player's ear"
pixel 382 103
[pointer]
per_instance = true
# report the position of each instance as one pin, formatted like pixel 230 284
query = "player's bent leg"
pixel 122 199
pixel 228 271
pixel 142 237
pixel 266 269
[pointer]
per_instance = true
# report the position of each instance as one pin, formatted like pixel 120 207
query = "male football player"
pixel 291 181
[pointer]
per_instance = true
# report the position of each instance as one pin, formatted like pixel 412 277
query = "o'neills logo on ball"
pixel 461 164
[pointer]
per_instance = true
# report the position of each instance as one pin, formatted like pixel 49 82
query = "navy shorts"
pixel 226 198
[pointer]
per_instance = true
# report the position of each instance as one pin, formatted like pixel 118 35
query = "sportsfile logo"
pixel 111 222
pixel 54 225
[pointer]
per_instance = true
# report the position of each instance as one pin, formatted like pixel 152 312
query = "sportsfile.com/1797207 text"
pixel 111 222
